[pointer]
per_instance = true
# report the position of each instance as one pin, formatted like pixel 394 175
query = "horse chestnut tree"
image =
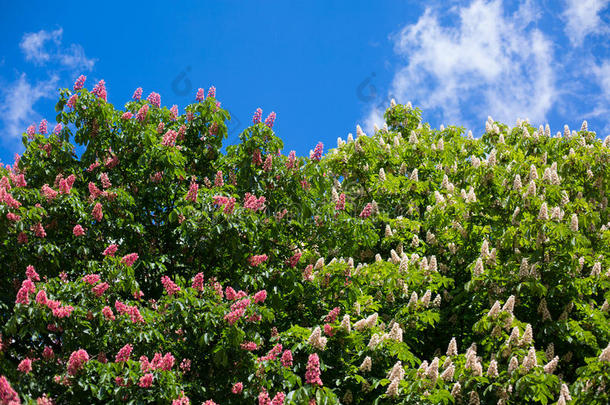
pixel 141 262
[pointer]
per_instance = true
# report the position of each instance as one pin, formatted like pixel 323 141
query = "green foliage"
pixel 249 262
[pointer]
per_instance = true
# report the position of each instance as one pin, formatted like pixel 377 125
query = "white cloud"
pixel 486 63
pixel 582 19
pixel 17 104
pixel 46 46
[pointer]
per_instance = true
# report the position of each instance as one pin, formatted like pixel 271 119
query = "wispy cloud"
pixel 43 47
pixel 487 63
pixel 54 61
pixel 582 19
pixel 18 99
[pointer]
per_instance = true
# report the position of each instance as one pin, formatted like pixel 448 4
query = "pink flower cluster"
pixel 173 113
pixel 80 82
pixel 249 346
pixel 159 362
pixel 257 116
pixel 198 282
pixel 105 180
pixel 260 296
pixel 58 128
pixel 110 250
pixel 76 361
pixel 317 152
pixel 25 366
pixel 100 90
pixel 7 394
pixel 268 165
pixel 142 112
pixel 31 130
pixel 65 185
pixel 212 92
pixel 340 205
pixel 97 212
pixel 257 160
pixel 91 278
pixel 42 128
pixel 312 373
pixel 132 310
pixel 137 95
pixel 227 202
pixel 23 295
pixel 257 259
pixel 286 358
pixel 238 387
pixel 127 115
pixel 200 96
pixel 253 203
pixel 170 287
pixel 123 354
pixel 72 101
pixel 154 99
pixel 332 315
pixel 30 273
pixel 218 180
pixel 367 211
pixel 294 260
pixel 273 353
pixel 270 119
pixel 130 259
pixel 169 139
pixel 78 230
pixel 192 193
pixel 146 380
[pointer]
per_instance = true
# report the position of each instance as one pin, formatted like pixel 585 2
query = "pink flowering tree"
pixel 141 263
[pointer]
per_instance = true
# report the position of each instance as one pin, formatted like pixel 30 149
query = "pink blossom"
pixel 80 82
pixel 78 230
pixel 76 361
pixel 30 131
pixel 192 193
pixel 273 353
pixel 234 316
pixel 110 250
pixel 72 101
pixel 268 165
pixel 198 282
pixel 185 365
pixel 308 273
pixel 99 289
pixel 22 238
pixel 127 115
pixel 212 92
pixel 332 315
pixel 278 399
pixel 292 158
pixel 23 295
pixel 30 272
pixel 47 353
pixel 94 192
pixel 263 398
pixel 169 139
pixel 173 112
pixel 105 180
pixel 100 90
pixel 97 212
pixel 317 152
pixel 129 259
pixel 270 119
pixel 63 311
pixel 91 278
pixel 25 366
pixel 260 296
pixel 183 400
pixel 137 95
pixel 294 260
pixel 108 314
pixel 257 116
pixel 340 203
pixel 237 388
pixel 257 259
pixel 146 380
pixel 312 374
pixel 170 287
pixel 230 294
pixel 57 128
pixel 11 216
pixel 7 394
pixel 286 358
pixel 154 99
pixel 200 95
pixel 328 329
pixel 123 354
pixel 167 362
pixel 42 128
pixel 41 297
pixel 142 112
pixel 256 157
pixel 253 203
pixel 366 211
pixel 218 180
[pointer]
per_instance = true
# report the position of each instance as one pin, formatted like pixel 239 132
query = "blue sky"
pixel 322 66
